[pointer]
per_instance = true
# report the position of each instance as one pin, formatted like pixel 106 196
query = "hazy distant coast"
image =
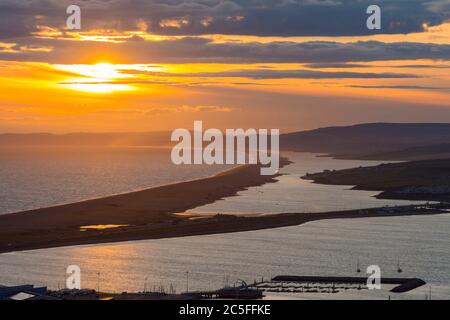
pixel 374 141
pixel 385 141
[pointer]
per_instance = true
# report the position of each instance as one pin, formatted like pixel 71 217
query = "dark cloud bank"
pixel 232 17
pixel 204 50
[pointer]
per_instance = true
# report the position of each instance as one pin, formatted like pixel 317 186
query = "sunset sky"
pixel 150 65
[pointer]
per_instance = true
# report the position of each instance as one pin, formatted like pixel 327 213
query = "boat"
pixel 241 291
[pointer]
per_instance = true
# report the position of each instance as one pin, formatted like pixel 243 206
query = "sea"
pixel 419 245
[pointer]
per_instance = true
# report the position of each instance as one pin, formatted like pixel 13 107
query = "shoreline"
pixel 207 226
pixel 424 180
pixel 148 208
pixel 154 213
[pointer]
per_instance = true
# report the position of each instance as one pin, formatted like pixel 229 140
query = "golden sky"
pixel 138 79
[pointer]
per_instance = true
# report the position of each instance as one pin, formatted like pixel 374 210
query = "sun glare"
pixel 97 78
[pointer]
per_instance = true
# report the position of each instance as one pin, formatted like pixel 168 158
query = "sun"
pixel 104 70
pixel 97 78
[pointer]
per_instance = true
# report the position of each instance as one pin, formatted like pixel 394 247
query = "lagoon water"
pixel 421 244
pixel 292 194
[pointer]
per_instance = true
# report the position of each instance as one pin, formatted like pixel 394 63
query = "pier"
pixel 320 284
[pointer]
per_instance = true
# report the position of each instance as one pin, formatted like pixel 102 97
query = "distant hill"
pixel 435 151
pixel 358 141
pixel 380 141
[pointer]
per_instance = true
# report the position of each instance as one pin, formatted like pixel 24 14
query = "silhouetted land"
pixel 436 151
pixel 386 141
pixel 181 227
pixel 402 141
pixel 418 180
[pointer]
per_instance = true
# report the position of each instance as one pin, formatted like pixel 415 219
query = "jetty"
pixel 321 284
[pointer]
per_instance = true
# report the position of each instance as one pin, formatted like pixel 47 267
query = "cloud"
pixel 335 65
pixel 187 108
pixel 400 87
pixel 231 17
pixel 438 6
pixel 161 110
pixel 138 50
pixel 422 66
pixel 190 19
pixel 259 74
pixel 298 74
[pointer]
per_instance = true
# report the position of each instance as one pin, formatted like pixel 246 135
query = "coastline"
pixel 150 208
pixel 424 180
pixel 154 214
pixel 186 227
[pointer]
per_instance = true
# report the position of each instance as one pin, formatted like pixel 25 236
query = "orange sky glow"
pixel 112 94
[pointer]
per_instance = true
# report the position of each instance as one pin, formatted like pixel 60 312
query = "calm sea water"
pixel 42 177
pixel 422 244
